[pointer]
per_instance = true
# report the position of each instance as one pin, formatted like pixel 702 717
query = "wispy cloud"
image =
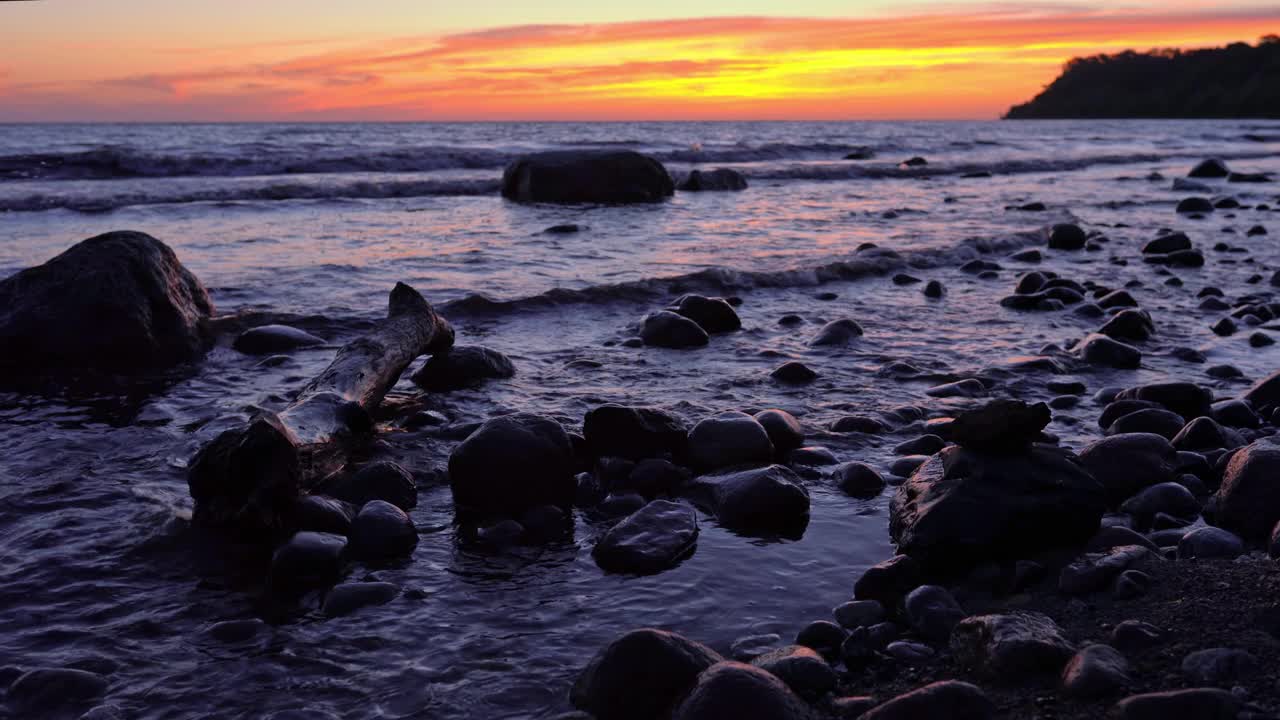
pixel 970 63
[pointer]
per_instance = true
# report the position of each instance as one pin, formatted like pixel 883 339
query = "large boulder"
pixel 801 668
pixel 118 303
pixel 945 700
pixel 1011 646
pixel 649 540
pixel 1127 464
pixel 1000 426
pixel 730 438
pixel 758 500
pixel 1210 168
pixel 308 560
pixel 640 675
pixel 736 690
pixel 381 530
pixel 1265 392
pixel 1249 498
pixel 783 428
pixel 634 433
pixel 672 330
pixel 512 463
pixel 587 176
pixel 714 315
pixel 962 508
pixel 1186 399
pixel 269 339
pixel 461 367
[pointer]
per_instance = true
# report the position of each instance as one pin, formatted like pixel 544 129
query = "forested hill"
pixel 1236 81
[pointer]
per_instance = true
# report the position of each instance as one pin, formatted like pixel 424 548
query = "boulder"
pixel 1132 636
pixel 794 373
pixel 1187 399
pixel 889 581
pixel 946 700
pixel 735 690
pixel 1094 571
pixel 271 339
pixel 1194 205
pixel 859 613
pixel 1095 671
pixel 1066 236
pixel 1264 393
pixel 653 476
pixel 1193 704
pixel 1156 421
pixel 1170 498
pixel 512 463
pixel 714 315
pixel 116 303
pixel 1167 243
pixel 858 480
pixel 1209 543
pixel 1098 349
pixel 1209 168
pixel 650 540
pixel 672 330
pixel 720 179
pixel 640 675
pixel 634 432
pixel 759 500
pixel 1000 426
pixel 462 367
pixel 1205 433
pixel 1131 324
pixel 308 560
pixel 381 531
pixel 1219 666
pixel 932 612
pixel 321 514
pixel 837 332
pixel 801 668
pixel 962 508
pixel 347 598
pixel 381 480
pixel 1126 464
pixel 730 438
pixel 823 636
pixel 587 176
pixel 1010 647
pixel 1248 501
pixel 783 429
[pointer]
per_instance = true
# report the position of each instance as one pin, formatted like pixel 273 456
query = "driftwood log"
pixel 248 479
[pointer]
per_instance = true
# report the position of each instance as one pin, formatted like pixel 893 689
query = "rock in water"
pixel 269 339
pixel 382 530
pixel 889 581
pixel 461 367
pixel 347 598
pixel 714 315
pixel 1000 426
pixel 837 332
pixel 672 330
pixel 1066 236
pixel 783 429
pixel 634 433
pixel 762 500
pixel 1011 646
pixel 650 540
pixel 308 560
pixel 946 700
pixel 640 675
pixel 586 176
pixel 730 438
pixel 962 508
pixel 720 179
pixel 512 463
pixel 1249 498
pixel 1209 168
pixel 735 690
pixel 119 303
pixel 322 514
pixel 382 480
pixel 1127 464
pixel 1098 349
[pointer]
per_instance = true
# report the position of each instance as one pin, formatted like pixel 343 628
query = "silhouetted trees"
pixel 1236 81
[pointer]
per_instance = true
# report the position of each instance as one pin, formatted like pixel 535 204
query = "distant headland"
pixel 1236 81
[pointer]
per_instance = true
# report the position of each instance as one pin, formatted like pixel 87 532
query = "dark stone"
pixel 1205 433
pixel 961 508
pixel 1171 242
pixel 246 479
pixel 587 176
pixel 1235 414
pixel 762 500
pixel 671 330
pixel 1000 426
pixel 308 560
pixel 1010 647
pixel 1132 324
pixel 730 438
pixel 859 613
pixel 322 514
pixel 718 180
pixel 932 612
pixel 1187 399
pixel 837 332
pixel 793 373
pixel 271 339
pixel 1095 671
pixel 1116 299
pixel 1248 502
pixel 1169 497
pixel 1132 636
pixel 1157 421
pixel 923 445
pixel 823 636
pixel 715 315
pixel 889 581
pixel 1098 349
pixel 650 540
pixel 1094 571
pixel 734 690
pixel 967 388
pixel 810 457
pixel 858 480
pixel 1194 205
pixel 1209 543
pixel 946 700
pixel 1264 393
pixel 382 480
pixel 634 432
pixel 858 423
pixel 1066 237
pixel 463 367
pixel 514 462
pixel 1224 327
pixel 1260 340
pixel 1119 408
pixel 916 161
pixel 934 289
pixel 640 675
pixel 381 530
pixel 905 279
pixel 116 303
pixel 1218 666
pixel 1210 168
pixel 802 668
pixel 347 598
pixel 1193 704
pixel 783 429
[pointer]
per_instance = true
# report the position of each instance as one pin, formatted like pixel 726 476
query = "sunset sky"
pixel 100 60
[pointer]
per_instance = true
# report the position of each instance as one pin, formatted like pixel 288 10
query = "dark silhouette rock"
pixel 715 315
pixel 672 330
pixel 1248 502
pixel 802 668
pixel 1193 704
pixel 1131 325
pixel 1186 399
pixel 1210 168
pixel 512 463
pixel 889 581
pixel 783 429
pixel 271 339
pixel 308 560
pixel 381 531
pixel 720 179
pixel 650 540
pixel 735 690
pixel 382 480
pixel 945 700
pixel 1096 671
pixel 348 598
pixel 837 332
pixel 759 501
pixel 116 303
pixel 730 438
pixel 587 176
pixel 462 367
pixel 1127 464
pixel 635 433
pixel 1012 646
pixel 858 480
pixel 1000 426
pixel 640 675
pixel 1098 349
pixel 1067 236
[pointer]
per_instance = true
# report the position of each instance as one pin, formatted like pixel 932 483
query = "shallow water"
pixel 316 223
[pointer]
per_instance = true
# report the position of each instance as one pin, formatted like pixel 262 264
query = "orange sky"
pixel 943 62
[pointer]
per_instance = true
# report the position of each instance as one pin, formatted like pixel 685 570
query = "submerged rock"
pixel 650 540
pixel 382 480
pixel 461 367
pixel 1066 236
pixel 308 560
pixel 720 179
pixel 730 438
pixel 512 463
pixel 1209 168
pixel 1098 349
pixel 381 530
pixel 347 598
pixel 714 315
pixel 762 500
pixel 640 675
pixel 118 303
pixel 837 332
pixel 271 339
pixel 672 330
pixel 587 176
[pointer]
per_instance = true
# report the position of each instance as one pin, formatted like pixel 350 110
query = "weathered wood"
pixel 248 478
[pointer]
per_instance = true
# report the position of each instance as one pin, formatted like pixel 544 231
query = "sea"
pixel 312 224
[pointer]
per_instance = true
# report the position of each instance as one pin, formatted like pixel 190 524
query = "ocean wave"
pixel 365 190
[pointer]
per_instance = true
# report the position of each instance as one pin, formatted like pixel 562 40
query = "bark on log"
pixel 248 479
